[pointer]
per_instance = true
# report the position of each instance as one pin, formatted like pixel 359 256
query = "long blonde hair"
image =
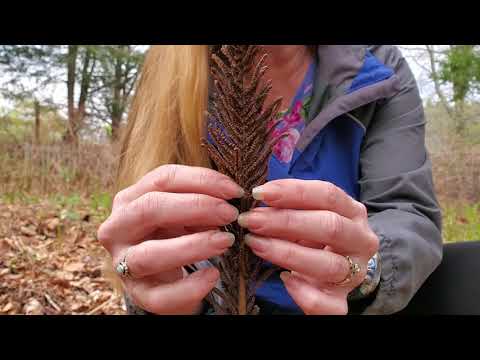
pixel 166 121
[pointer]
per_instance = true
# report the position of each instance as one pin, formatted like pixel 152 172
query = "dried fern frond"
pixel 240 147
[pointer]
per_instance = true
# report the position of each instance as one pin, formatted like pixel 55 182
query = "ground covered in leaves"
pixel 51 263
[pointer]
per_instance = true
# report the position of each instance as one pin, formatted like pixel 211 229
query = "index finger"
pixel 308 195
pixel 181 179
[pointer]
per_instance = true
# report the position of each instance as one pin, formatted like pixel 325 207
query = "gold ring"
pixel 354 270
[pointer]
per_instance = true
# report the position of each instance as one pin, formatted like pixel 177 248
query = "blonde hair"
pixel 166 121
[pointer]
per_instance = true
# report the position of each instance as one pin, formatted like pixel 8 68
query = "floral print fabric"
pixel 290 123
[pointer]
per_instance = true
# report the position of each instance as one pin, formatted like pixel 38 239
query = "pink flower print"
pixel 284 148
pixel 294 118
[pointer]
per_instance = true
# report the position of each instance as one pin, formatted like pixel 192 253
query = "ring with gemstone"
pixel 354 269
pixel 122 267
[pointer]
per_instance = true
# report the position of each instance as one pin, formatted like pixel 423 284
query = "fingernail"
pixel 268 192
pixel 228 212
pixel 224 239
pixel 241 193
pixel 242 220
pixel 258 193
pixel 251 220
pixel 256 243
pixel 285 276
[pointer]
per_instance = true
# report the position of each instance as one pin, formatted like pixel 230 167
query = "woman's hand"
pixel 166 221
pixel 309 228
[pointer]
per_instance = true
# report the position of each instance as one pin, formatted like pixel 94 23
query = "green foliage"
pixel 18 197
pixel 108 130
pixel 68 201
pixel 461 223
pixel 115 79
pixel 101 203
pixel 17 125
pixel 461 68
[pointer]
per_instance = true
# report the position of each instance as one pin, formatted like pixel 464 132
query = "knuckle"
pixel 119 198
pixel 332 194
pixel 362 210
pixel 372 243
pixel 301 193
pixel 146 206
pixel 288 254
pixel 289 219
pixel 334 225
pixel 137 260
pixel 104 234
pixel 164 176
pixel 337 267
pixel 204 178
pixel 199 201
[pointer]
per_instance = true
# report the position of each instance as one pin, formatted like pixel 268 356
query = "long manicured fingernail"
pixel 285 276
pixel 256 243
pixel 251 219
pixel 223 239
pixel 248 219
pixel 269 192
pixel 289 280
pixel 228 212
pixel 258 193
pixel 241 192
pixel 242 220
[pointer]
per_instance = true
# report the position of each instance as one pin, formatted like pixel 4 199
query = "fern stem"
pixel 242 286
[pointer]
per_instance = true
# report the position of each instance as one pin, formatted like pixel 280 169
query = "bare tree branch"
pixel 436 81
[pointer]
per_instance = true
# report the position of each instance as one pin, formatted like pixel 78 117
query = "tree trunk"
pixel 76 116
pixel 70 136
pixel 460 117
pixel 117 103
pixel 436 81
pixel 37 123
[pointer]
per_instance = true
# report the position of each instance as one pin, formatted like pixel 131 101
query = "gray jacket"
pixel 374 87
pixel 395 171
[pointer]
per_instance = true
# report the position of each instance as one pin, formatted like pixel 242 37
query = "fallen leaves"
pixel 52 264
pixel 7 308
pixel 28 231
pixel 33 307
pixel 74 267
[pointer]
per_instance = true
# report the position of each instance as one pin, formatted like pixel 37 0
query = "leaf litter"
pixel 53 265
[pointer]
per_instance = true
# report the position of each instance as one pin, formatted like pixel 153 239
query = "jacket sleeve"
pixel 397 188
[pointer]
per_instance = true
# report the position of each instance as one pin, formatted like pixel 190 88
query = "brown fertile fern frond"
pixel 239 147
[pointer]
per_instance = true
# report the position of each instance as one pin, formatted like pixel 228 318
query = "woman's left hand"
pixel 309 228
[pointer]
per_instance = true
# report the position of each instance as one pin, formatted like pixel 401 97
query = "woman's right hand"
pixel 167 220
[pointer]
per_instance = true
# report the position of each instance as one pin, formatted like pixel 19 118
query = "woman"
pixel 351 212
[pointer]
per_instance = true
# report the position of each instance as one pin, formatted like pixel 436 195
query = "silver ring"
pixel 122 267
pixel 354 270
